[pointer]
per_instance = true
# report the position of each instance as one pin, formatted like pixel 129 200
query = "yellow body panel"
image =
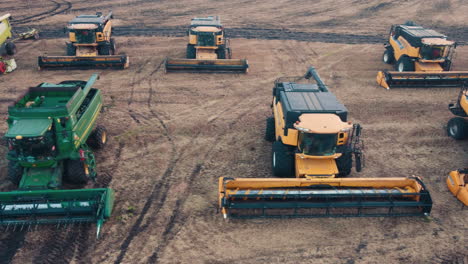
pixel 315 166
pixel 464 101
pixel 427 67
pixel 72 36
pixel 291 138
pixel 402 47
pixel 458 185
pixel 219 39
pixel 322 123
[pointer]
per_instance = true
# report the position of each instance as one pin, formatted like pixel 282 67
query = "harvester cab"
pixel 310 132
pixel 422 58
pixel 90 45
pixel 208 49
pixel 50 141
pixel 314 143
pixel 7 46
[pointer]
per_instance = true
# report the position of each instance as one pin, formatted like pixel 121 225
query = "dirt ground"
pixel 173 135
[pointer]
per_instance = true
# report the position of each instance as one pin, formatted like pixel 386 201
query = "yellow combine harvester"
pixel 422 58
pixel 457 128
pixel 315 143
pixel 90 46
pixel 208 50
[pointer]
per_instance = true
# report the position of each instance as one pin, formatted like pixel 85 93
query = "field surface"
pixel 173 135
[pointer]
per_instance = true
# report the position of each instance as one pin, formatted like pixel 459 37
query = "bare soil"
pixel 173 135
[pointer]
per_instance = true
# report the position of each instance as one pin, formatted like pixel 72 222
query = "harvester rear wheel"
pixel 191 52
pixel 98 138
pixel 457 128
pixel 75 172
pixel 388 56
pixel 270 129
pixel 282 161
pixel 15 172
pixel 71 50
pixel 10 48
pixel 404 64
pixel 344 164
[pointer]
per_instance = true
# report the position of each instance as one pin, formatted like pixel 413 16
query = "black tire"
pixel 221 52
pixel 270 129
pixel 457 128
pixel 15 172
pixel 104 49
pixel 75 172
pixel 98 138
pixel 359 159
pixel 113 47
pixel 191 52
pixel 446 65
pixel 388 56
pixel 282 160
pixel 71 50
pixel 10 48
pixel 344 164
pixel 404 64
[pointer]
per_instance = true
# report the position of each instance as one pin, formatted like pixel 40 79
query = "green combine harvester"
pixel 50 140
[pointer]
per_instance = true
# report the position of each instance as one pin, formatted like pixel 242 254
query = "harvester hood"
pixel 29 128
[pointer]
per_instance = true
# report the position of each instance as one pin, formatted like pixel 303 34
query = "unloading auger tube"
pixel 323 197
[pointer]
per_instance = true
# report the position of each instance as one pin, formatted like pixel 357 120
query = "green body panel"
pixel 29 127
pixel 37 177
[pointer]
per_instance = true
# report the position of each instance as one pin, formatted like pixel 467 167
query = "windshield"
pixel 206 39
pixel 37 147
pixel 85 36
pixel 317 144
pixel 432 52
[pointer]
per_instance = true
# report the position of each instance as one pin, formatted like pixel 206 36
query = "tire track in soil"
pixel 160 189
pixel 51 12
pixel 10 243
pixel 171 229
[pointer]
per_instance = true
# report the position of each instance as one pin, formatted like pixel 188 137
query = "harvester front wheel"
pixel 98 138
pixel 76 172
pixel 282 161
pixel 15 172
pixel 270 129
pixel 457 128
pixel 10 48
pixel 221 52
pixel 388 56
pixel 105 49
pixel 71 50
pixel 191 52
pixel 404 64
pixel 113 47
pixel 344 164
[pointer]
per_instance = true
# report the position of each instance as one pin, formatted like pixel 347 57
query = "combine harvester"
pixel 49 138
pixel 7 46
pixel 422 58
pixel 457 128
pixel 313 141
pixel 90 46
pixel 208 50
